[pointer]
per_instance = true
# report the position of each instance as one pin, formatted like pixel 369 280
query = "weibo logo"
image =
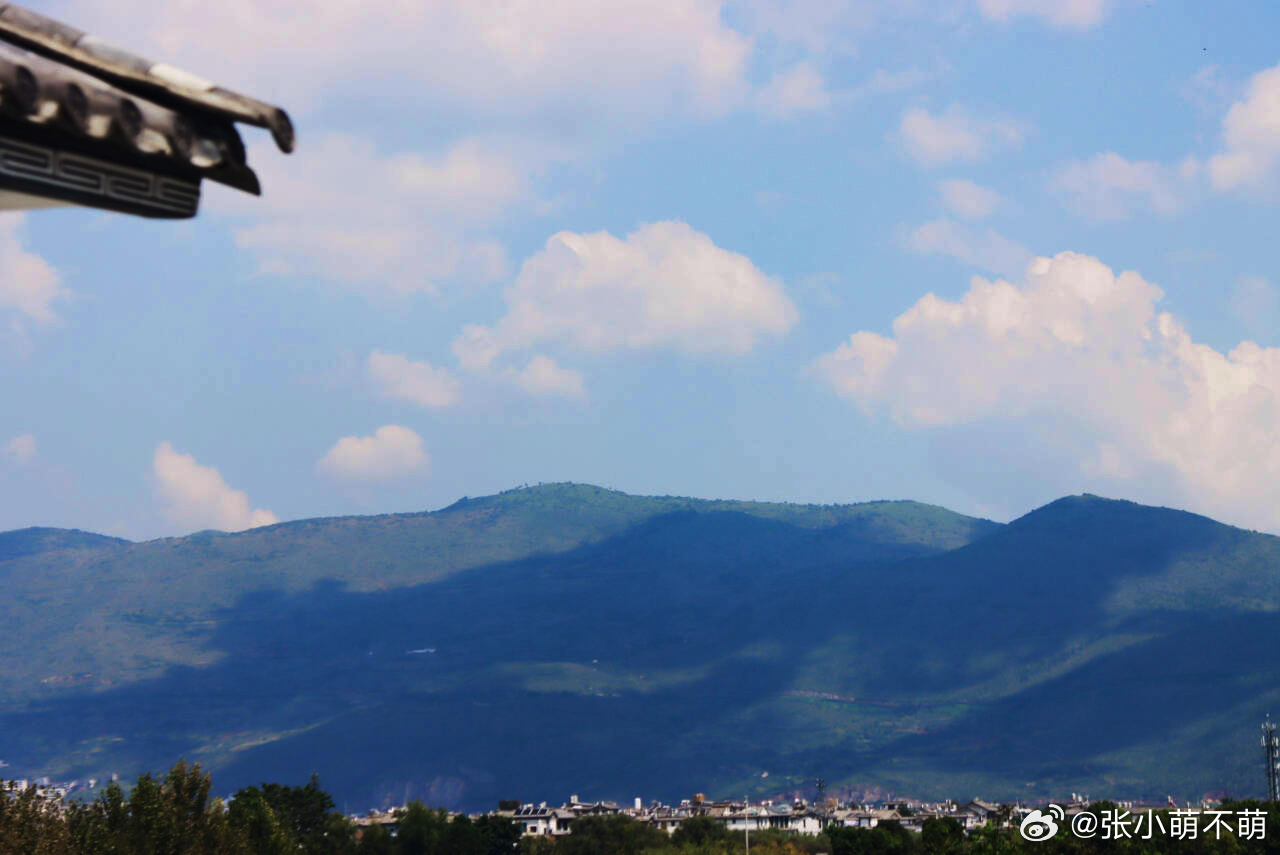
pixel 1038 825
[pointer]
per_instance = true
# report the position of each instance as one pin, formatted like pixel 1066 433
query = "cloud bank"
pixel 663 286
pixel 956 134
pixel 1251 137
pixel 393 451
pixel 424 384
pixel 1069 14
pixel 27 283
pixel 1077 359
pixel 195 496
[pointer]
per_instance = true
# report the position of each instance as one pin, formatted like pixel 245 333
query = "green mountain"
pixel 567 639
pixel 31 541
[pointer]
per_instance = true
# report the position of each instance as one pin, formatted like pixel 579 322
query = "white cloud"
pixel 495 55
pixel 664 286
pixel 1108 187
pixel 968 200
pixel 985 249
pixel 422 383
pixel 1251 137
pixel 393 451
pixel 405 222
pixel 798 89
pixel 1208 90
pixel 21 449
pixel 1071 14
pixel 197 497
pixel 1077 360
pixel 27 282
pixel 955 135
pixel 543 377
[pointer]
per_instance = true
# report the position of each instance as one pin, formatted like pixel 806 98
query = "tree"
pixel 461 837
pixel 887 838
pixel 376 840
pixel 306 814
pixel 30 823
pixel 101 826
pixel 499 834
pixel 253 819
pixel 700 831
pixel 941 834
pixel 420 830
pixel 618 834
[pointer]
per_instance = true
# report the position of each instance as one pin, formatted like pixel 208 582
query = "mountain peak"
pixel 37 539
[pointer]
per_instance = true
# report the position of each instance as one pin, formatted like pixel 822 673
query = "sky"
pixel 977 253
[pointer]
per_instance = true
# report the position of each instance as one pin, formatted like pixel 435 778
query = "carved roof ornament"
pixel 85 123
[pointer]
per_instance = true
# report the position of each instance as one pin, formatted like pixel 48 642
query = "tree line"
pixel 176 815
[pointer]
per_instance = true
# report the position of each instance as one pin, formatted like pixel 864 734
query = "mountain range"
pixel 567 639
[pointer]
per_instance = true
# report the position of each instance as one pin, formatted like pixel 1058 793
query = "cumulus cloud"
pixel 1108 187
pixel 407 222
pixel 27 282
pixel 955 134
pixel 1070 14
pixel 1251 137
pixel 655 55
pixel 968 200
pixel 798 89
pixel 663 286
pixel 985 249
pixel 21 449
pixel 393 451
pixel 197 497
pixel 424 384
pixel 543 377
pixel 1077 360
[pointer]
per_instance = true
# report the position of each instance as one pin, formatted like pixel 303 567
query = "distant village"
pixel 798 816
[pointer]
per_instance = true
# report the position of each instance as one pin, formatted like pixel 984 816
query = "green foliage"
pixel 498 834
pixel 941 835
pixel 887 838
pixel 299 816
pixel 421 830
pixel 700 832
pixel 617 834
pixel 257 823
pixel 376 840
pixel 174 815
pixel 30 824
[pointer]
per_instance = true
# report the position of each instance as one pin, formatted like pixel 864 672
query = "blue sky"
pixel 981 254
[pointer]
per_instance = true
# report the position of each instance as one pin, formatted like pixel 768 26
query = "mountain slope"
pixel 120 613
pixel 33 541
pixel 1091 645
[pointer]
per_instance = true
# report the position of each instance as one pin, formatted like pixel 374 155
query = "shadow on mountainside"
pixel 676 657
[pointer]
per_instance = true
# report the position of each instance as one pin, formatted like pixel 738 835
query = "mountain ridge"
pixel 680 644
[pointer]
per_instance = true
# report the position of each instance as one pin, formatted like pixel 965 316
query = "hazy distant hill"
pixel 571 639
pixel 30 541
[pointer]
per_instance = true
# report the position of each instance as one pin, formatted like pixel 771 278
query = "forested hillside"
pixel 569 639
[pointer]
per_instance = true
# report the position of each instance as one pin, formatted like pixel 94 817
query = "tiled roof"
pixel 142 77
pixel 125 121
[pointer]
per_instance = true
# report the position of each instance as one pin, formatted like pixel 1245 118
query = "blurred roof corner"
pixel 83 122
